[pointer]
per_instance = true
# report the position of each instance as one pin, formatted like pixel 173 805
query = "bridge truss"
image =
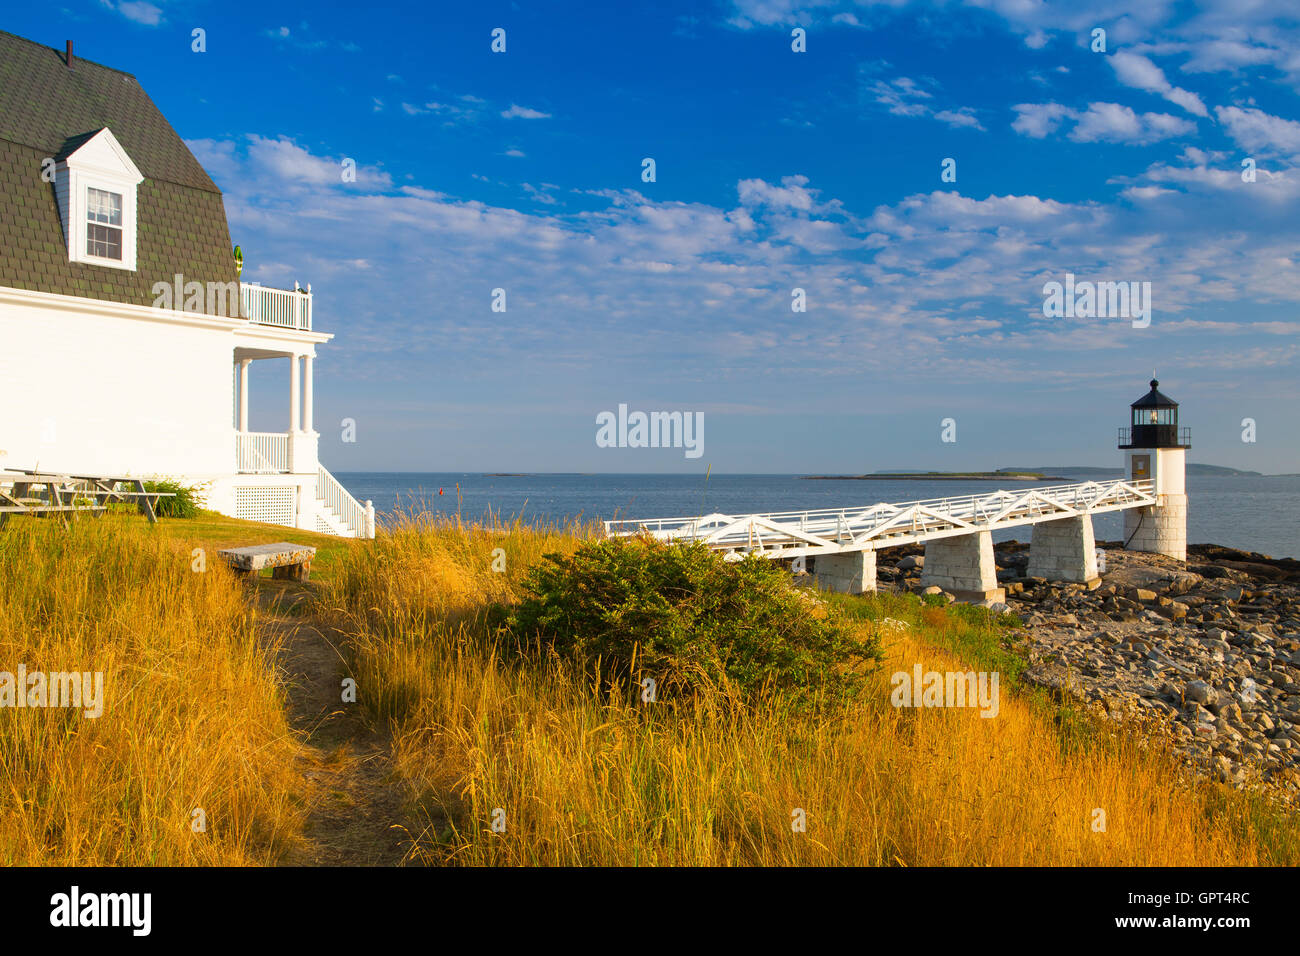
pixel 790 534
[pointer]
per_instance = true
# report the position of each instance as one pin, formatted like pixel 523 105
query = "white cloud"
pixel 962 117
pixel 1038 120
pixel 1259 131
pixel 1099 123
pixel 1140 73
pixel 1115 123
pixel 791 194
pixel 1216 56
pixel 304 40
pixel 138 11
pixel 903 96
pixel 281 160
pixel 938 285
pixel 523 112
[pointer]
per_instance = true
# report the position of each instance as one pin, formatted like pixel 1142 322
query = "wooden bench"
pixel 287 560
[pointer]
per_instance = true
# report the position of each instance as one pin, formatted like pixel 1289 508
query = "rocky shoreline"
pixel 1205 654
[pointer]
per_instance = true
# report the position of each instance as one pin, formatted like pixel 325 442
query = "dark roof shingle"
pixel 44 104
pixel 47 111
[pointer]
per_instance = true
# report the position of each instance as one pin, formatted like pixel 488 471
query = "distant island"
pixel 940 476
pixel 1052 473
pixel 1192 469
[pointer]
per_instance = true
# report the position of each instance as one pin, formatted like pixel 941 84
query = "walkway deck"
pixel 790 534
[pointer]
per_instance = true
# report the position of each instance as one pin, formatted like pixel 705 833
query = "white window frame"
pixel 80 184
pixel 90 168
pixel 119 227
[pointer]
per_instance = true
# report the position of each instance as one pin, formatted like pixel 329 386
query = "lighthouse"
pixel 1155 450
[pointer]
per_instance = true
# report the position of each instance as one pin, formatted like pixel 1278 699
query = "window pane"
pixel 103 241
pixel 105 207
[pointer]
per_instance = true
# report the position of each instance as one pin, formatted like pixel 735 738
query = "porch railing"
pixel 359 519
pixel 261 453
pixel 283 308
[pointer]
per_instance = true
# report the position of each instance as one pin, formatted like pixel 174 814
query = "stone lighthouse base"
pixel 1158 528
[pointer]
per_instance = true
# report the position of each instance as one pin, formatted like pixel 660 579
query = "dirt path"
pixel 355 799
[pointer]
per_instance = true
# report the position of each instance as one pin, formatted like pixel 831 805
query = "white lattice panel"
pixel 271 505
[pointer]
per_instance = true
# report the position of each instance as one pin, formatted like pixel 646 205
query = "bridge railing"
pixel 973 509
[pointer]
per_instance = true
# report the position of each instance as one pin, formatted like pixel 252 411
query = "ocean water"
pixel 1253 514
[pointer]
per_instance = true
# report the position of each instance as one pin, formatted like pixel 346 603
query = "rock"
pixel 933 589
pixel 1142 594
pixel 912 562
pixel 1200 692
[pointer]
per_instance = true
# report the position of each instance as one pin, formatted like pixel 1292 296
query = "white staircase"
pixel 337 512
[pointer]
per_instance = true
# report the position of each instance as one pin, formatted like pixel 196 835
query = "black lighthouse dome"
pixel 1153 423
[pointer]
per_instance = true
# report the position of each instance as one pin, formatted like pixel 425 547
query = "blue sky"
pixel 819 170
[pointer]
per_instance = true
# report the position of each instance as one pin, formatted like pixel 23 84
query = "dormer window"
pixel 95 183
pixel 103 224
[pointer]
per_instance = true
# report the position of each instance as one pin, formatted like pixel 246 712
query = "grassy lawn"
pixel 212 532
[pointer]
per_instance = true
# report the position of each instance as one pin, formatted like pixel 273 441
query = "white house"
pixel 126 338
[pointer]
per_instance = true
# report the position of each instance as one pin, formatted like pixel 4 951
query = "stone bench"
pixel 287 560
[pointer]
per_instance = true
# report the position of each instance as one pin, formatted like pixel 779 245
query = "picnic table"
pixel 62 491
pixel 286 559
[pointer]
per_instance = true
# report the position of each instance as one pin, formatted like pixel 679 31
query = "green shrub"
pixel 182 505
pixel 680 614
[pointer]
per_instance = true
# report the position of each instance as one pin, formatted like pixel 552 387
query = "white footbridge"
pixel 956 531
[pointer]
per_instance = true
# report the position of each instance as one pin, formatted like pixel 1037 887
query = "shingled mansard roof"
pixel 46 111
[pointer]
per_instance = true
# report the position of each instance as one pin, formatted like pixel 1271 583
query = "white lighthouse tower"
pixel 1155 449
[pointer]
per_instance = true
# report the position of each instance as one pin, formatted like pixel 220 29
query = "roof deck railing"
pixel 282 308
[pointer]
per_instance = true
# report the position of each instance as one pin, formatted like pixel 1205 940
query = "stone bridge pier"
pixel 963 566
pixel 853 572
pixel 1064 550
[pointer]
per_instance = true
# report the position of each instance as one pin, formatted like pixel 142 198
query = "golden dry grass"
pixel 586 779
pixel 193 715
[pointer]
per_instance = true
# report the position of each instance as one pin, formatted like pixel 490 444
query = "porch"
pixel 279 478
pixel 292 451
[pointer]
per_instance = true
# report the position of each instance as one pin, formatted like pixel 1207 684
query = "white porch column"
pixel 295 408
pixel 307 364
pixel 243 394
